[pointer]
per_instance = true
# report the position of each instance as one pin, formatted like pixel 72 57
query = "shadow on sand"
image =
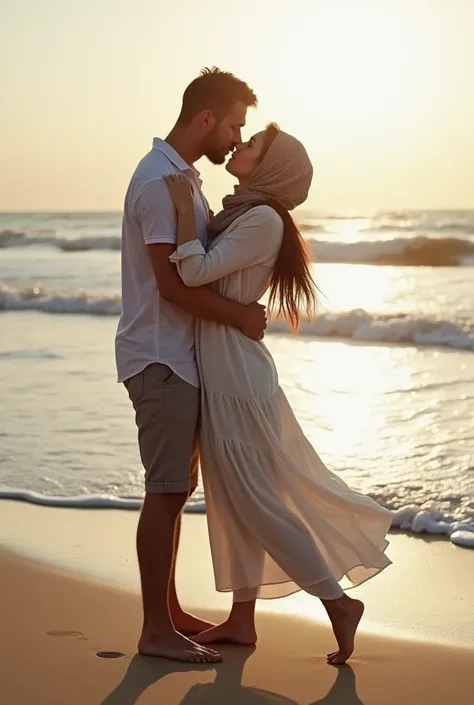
pixel 227 687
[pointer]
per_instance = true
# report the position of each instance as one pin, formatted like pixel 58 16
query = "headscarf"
pixel 284 175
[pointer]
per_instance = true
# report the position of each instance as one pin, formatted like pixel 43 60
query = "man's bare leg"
pixel 183 622
pixel 155 542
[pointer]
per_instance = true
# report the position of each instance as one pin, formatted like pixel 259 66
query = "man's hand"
pixel 254 321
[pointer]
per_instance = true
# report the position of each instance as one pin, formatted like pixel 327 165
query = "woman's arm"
pixel 256 240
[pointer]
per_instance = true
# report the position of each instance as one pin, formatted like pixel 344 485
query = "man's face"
pixel 225 134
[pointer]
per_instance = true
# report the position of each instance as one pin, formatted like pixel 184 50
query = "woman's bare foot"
pixel 187 624
pixel 345 615
pixel 177 647
pixel 228 632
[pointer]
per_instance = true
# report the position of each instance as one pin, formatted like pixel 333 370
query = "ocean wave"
pixel 83 244
pixel 410 519
pixel 459 228
pixel 408 329
pixel 11 238
pixel 311 227
pixel 36 298
pixel 419 251
pixel 402 328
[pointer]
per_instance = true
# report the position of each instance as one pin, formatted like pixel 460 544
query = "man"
pixel 155 345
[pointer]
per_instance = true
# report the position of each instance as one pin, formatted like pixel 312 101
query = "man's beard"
pixel 216 156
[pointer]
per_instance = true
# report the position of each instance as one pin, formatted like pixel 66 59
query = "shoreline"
pixel 100 502
pixel 426 595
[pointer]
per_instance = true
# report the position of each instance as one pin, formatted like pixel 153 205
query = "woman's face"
pixel 246 157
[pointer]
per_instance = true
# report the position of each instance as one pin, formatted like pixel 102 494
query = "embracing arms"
pixel 255 240
pixel 157 216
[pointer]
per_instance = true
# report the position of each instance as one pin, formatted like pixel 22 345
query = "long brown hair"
pixel 292 288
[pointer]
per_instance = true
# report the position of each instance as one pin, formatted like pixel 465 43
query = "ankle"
pixel 157 629
pixel 175 607
pixel 336 605
pixel 238 618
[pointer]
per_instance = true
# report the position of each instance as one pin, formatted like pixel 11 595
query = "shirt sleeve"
pixel 156 213
pixel 255 240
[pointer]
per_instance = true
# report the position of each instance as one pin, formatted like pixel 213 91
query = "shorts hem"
pixel 168 487
pixel 193 382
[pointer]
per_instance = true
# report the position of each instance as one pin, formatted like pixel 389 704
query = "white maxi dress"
pixel 279 520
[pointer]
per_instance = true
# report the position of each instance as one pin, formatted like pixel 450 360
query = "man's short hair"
pixel 217 91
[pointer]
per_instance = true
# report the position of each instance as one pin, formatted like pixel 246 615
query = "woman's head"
pixel 273 168
pixel 247 155
pixel 275 165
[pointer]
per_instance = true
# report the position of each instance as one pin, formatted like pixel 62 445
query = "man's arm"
pixel 201 301
pixel 156 214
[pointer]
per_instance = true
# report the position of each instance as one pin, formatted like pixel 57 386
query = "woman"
pixel 279 520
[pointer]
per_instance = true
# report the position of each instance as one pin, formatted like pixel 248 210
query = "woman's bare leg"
pixel 345 614
pixel 239 627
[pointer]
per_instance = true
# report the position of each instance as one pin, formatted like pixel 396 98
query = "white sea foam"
pixel 410 519
pixel 354 325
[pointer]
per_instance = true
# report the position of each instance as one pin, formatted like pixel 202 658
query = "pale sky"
pixel 381 92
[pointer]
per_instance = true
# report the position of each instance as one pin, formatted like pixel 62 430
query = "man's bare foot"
pixel 345 618
pixel 176 647
pixel 228 632
pixel 187 624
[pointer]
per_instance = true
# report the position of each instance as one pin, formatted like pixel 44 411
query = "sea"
pixel 382 381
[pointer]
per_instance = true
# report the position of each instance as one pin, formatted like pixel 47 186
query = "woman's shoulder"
pixel 264 217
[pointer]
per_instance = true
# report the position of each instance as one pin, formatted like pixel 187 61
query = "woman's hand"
pixel 181 192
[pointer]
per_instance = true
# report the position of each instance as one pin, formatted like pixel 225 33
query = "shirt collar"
pixel 173 156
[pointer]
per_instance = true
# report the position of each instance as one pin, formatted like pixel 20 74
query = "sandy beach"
pixel 70 590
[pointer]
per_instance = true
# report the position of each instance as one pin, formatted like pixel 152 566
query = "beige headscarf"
pixel 284 175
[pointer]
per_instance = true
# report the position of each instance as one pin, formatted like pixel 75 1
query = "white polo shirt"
pixel 151 329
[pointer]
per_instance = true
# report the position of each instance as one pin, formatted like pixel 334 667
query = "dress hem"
pixel 305 588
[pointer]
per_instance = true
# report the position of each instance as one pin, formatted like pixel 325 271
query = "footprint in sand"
pixel 67 632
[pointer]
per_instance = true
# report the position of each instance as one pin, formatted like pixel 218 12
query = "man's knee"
pixel 168 504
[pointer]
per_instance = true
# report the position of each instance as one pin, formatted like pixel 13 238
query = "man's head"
pixel 215 107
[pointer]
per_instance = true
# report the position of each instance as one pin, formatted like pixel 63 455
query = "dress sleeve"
pixel 255 240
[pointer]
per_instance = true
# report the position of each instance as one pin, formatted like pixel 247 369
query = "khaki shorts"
pixel 166 414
